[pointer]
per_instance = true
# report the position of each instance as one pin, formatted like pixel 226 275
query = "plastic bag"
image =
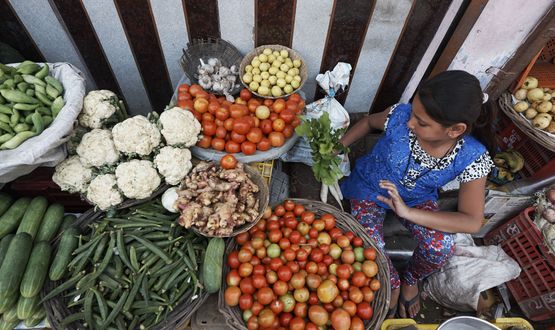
pixel 471 270
pixel 47 149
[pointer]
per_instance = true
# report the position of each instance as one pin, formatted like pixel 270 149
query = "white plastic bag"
pixel 47 149
pixel 471 270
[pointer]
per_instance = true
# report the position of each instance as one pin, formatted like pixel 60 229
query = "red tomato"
pixel 276 306
pixel 297 323
pixel 358 279
pixel 245 301
pixel 357 241
pixel 233 260
pixel 329 221
pixel 265 296
pixel 213 106
pixel 291 105
pixel 237 138
pixel 233 278
pixel 228 161
pixel 208 128
pixel 183 88
pixel 284 273
pixel 205 142
pixel 370 253
pixel 364 310
pixel 221 132
pixel 195 89
pixel 222 113
pixel 302 255
pixel 288 131
pixel 241 125
pixel 288 115
pixel 248 148
pixel 207 117
pixel 245 269
pixel 245 94
pixel 275 263
pixel 266 126
pixel 259 270
pixel 285 319
pixel 278 125
pixel 246 286
pixel 295 97
pixel 238 110
pixel 254 135
pixel 264 144
pixel 232 295
pixel 228 124
pixel 232 147
pixel 280 288
pixel 256 308
pixel 277 139
pixel 218 144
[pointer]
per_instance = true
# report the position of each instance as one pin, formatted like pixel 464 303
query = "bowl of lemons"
pixel 273 71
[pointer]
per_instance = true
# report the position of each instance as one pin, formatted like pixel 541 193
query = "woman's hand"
pixel 395 202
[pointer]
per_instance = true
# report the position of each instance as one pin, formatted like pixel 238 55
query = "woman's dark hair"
pixel 455 96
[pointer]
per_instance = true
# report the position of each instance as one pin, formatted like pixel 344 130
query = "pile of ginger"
pixel 215 200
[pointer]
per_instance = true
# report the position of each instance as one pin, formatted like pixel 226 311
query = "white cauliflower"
pixel 103 191
pixel 71 175
pixel 173 163
pixel 179 127
pixel 136 135
pixel 97 148
pixel 137 178
pixel 98 108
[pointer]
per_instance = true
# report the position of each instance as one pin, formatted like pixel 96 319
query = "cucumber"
pixel 8 325
pixel 68 243
pixel 8 303
pixel 36 271
pixel 50 223
pixel 5 202
pixel 212 265
pixel 26 307
pixel 4 244
pixel 14 265
pixel 11 314
pixel 68 220
pixel 33 216
pixel 11 218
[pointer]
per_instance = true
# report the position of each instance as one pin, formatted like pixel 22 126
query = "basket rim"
pixel 263 197
pixel 56 308
pixel 543 138
pixel 380 304
pixel 303 72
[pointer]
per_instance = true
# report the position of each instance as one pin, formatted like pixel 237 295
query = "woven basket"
pixel 263 196
pixel 294 55
pixel 542 137
pixel 208 48
pixel 57 310
pixel 345 222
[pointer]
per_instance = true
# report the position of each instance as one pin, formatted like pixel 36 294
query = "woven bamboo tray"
pixel 263 196
pixel 208 48
pixel 294 55
pixel 345 222
pixel 57 310
pixel 544 138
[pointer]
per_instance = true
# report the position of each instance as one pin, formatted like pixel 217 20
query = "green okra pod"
pixel 52 92
pixel 33 80
pixel 54 83
pixel 21 128
pixel 43 98
pixel 18 97
pixel 57 106
pixel 38 123
pixel 43 72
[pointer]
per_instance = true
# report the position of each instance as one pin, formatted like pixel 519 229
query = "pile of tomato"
pixel 297 271
pixel 245 125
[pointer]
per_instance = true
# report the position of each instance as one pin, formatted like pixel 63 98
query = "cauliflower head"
pixel 137 178
pixel 136 135
pixel 72 175
pixel 103 191
pixel 173 163
pixel 97 148
pixel 98 107
pixel 179 127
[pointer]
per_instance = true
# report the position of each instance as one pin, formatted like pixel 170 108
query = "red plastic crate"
pixel 537 158
pixel 534 289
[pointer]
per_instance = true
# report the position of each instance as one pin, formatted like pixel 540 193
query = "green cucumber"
pixel 68 220
pixel 4 244
pixel 26 307
pixel 5 202
pixel 8 325
pixel 36 271
pixel 50 223
pixel 11 314
pixel 8 303
pixel 14 265
pixel 68 243
pixel 212 265
pixel 11 218
pixel 33 216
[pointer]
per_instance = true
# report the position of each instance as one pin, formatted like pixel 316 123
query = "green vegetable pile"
pixel 30 100
pixel 324 142
pixel 131 270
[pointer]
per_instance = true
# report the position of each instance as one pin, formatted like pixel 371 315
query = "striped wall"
pixel 133 47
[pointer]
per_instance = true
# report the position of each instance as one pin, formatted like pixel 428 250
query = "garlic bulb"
pixel 204 69
pixel 216 77
pixel 224 71
pixel 205 81
pixel 214 62
pixel 234 69
pixel 226 85
pixel 217 86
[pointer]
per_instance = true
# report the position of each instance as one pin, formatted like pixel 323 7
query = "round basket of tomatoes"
pixel 304 265
pixel 251 128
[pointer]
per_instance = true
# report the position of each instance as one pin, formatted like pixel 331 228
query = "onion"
pixel 549 214
pixel 550 194
pixel 169 198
